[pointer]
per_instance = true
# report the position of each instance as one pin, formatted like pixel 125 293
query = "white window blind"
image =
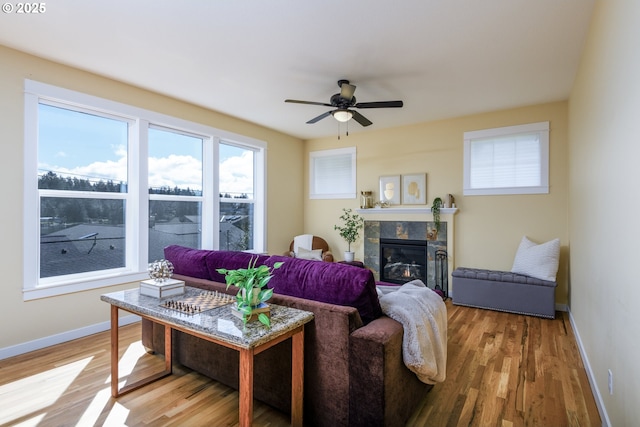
pixel 332 174
pixel 510 160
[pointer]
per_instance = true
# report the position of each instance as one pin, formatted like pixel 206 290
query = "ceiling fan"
pixel 345 100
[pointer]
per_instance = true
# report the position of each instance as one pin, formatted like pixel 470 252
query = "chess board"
pixel 205 300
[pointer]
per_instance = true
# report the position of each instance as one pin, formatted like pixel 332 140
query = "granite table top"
pixel 218 322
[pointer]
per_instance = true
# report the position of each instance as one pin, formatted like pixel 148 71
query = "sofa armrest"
pixel 327 256
pixel 383 391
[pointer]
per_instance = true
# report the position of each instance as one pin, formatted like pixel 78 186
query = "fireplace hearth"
pixel 403 260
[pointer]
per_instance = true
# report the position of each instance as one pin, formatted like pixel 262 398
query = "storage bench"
pixel 503 291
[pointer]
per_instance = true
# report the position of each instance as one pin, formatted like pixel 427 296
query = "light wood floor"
pixel 503 370
pixel 509 370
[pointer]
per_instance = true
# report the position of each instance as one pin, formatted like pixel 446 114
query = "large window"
pixel 237 197
pixel 175 190
pixel 82 186
pixel 508 160
pixel 108 186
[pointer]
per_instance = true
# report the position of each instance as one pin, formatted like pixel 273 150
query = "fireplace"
pixel 403 260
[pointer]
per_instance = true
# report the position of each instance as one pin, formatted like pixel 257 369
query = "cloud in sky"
pixel 175 171
pixel 236 174
pixel 183 171
pixel 106 170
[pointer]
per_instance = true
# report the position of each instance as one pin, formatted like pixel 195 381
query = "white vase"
pixel 255 296
pixel 348 256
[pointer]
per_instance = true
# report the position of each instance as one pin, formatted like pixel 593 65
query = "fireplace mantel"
pixel 419 211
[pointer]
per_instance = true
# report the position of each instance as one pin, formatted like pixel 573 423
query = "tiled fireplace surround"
pixel 408 224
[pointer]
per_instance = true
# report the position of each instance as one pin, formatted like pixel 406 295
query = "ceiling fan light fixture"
pixel 342 115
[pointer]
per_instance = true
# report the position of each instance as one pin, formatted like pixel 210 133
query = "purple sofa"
pixel 354 373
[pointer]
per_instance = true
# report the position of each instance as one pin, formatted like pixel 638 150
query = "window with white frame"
pixel 238 192
pixel 332 174
pixel 175 182
pixel 108 186
pixel 507 160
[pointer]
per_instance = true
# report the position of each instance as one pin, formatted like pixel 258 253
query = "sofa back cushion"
pixel 188 261
pixel 231 260
pixel 328 282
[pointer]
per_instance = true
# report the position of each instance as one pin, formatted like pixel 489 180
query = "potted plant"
pixel 252 282
pixel 435 210
pixel 350 230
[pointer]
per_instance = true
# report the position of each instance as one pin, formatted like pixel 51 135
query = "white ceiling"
pixel 443 58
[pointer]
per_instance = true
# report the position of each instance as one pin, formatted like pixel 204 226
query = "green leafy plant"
pixel 435 210
pixel 350 231
pixel 252 282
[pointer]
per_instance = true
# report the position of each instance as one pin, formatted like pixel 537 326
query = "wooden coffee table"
pixel 219 326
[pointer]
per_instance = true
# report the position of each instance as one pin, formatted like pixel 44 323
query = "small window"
pixel 508 160
pixel 332 174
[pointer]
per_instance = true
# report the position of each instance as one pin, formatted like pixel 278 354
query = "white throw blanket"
pixel 423 315
pixel 302 241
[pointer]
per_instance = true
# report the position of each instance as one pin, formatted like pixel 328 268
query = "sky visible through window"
pixel 86 146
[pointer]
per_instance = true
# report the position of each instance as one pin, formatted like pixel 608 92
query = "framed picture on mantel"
pixel 390 189
pixel 414 189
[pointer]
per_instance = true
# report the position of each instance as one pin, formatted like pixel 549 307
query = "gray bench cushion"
pixel 503 291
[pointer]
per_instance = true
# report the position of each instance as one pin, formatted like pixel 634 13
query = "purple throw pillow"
pixel 188 261
pixel 328 282
pixel 231 260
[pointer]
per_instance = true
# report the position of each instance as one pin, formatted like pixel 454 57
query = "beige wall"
pixel 604 112
pixel 488 229
pixel 26 321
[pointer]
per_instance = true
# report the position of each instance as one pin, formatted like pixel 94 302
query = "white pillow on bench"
pixel 537 260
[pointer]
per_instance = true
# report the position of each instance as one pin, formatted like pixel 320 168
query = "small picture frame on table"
pixel 414 189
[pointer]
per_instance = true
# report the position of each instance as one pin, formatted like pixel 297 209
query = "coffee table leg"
pixel 246 388
pixel 115 390
pixel 297 378
pixel 114 351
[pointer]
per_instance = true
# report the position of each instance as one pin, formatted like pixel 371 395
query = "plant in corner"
pixel 252 282
pixel 350 230
pixel 435 210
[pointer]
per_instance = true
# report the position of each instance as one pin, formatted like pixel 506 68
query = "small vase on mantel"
pixel 349 256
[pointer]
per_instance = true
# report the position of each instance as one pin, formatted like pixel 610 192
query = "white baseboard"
pixel 26 347
pixel 592 381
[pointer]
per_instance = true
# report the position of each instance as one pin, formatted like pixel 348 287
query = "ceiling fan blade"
pixel 347 90
pixel 320 117
pixel 361 119
pixel 295 101
pixel 379 104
